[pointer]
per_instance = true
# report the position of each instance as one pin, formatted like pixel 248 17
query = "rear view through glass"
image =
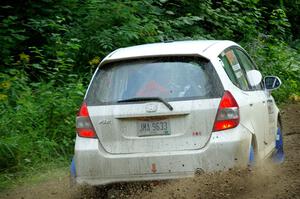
pixel 169 78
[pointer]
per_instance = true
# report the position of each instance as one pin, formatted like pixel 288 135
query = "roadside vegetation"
pixel 49 50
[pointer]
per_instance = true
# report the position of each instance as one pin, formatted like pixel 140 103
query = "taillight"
pixel 228 115
pixel 84 125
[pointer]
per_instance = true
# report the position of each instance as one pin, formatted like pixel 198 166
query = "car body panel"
pixel 190 123
pixel 95 166
pixel 257 115
pixel 272 119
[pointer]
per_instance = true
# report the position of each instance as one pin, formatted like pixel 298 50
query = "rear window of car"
pixel 170 78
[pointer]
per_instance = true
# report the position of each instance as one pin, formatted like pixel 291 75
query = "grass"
pixel 34 175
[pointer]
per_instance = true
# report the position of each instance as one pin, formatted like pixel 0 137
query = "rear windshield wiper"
pixel 139 99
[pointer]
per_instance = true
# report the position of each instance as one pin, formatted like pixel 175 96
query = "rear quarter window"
pixel 233 69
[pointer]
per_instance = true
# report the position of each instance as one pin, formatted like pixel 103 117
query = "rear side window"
pixel 227 67
pixel 171 78
pixel 246 63
pixel 233 69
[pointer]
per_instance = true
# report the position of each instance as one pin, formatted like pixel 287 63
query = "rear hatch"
pixel 154 104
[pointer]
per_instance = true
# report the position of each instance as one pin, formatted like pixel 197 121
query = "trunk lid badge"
pixel 151 107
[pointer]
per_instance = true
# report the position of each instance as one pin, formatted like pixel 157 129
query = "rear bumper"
pixel 226 149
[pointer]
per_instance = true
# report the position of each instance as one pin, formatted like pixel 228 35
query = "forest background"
pixel 50 48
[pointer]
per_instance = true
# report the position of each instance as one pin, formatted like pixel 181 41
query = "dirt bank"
pixel 266 181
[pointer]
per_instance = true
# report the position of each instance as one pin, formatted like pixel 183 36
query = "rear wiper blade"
pixel 139 99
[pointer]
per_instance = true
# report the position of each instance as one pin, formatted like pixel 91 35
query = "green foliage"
pixel 11 36
pixel 41 125
pixel 279 23
pixel 275 57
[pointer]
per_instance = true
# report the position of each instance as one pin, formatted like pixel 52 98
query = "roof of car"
pixel 205 48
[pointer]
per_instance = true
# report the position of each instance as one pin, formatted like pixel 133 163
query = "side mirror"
pixel 272 82
pixel 254 77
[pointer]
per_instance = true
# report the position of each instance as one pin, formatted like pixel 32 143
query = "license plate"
pixel 149 128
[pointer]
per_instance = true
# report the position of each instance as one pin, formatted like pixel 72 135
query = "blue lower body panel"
pixel 72 168
pixel 278 156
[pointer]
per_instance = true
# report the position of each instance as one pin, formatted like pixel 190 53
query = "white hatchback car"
pixel 170 110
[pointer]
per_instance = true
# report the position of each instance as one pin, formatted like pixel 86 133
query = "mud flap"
pixel 72 168
pixel 278 156
pixel 72 173
pixel 251 157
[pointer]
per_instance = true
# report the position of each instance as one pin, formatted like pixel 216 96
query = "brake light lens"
pixel 84 126
pixel 228 115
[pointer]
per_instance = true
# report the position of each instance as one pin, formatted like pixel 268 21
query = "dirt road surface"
pixel 266 181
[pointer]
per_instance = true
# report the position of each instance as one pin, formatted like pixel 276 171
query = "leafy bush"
pixel 275 57
pixel 41 125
